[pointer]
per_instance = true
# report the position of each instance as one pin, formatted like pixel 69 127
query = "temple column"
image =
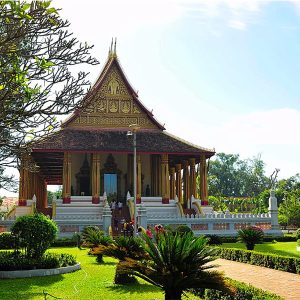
pixel 155 175
pixel 96 178
pixel 186 195
pixel 30 185
pixel 178 183
pixel 165 183
pixel 192 177
pixel 203 179
pixel 172 183
pixel 139 180
pixel 41 192
pixel 67 178
pixel 23 183
pixel 45 194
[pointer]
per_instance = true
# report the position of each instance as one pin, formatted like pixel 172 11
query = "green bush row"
pixel 231 239
pixel 244 292
pixel 7 241
pixel 11 261
pixel 65 242
pixel 272 261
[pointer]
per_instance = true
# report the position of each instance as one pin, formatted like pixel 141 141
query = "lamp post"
pixel 134 128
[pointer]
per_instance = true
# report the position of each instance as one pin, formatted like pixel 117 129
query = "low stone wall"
pixel 38 272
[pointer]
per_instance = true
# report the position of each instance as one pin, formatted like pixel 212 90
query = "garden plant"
pixel 123 248
pixel 177 263
pixel 251 236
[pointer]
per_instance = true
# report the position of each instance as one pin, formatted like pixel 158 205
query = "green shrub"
pixel 65 242
pixel 11 261
pixel 298 242
pixel 272 261
pixel 7 241
pixel 297 234
pixel 243 292
pixel 250 236
pixel 183 229
pixel 36 234
pixel 213 239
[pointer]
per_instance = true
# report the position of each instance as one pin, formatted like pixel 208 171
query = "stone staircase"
pixel 80 208
pixel 119 217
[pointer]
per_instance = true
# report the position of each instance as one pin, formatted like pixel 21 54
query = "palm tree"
pixel 94 237
pixel 251 236
pixel 121 249
pixel 177 263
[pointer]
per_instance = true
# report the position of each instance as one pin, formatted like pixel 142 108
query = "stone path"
pixel 284 284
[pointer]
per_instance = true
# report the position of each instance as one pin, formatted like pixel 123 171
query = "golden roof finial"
pixel 113 48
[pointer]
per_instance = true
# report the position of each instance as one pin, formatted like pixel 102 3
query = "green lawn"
pixel 93 281
pixel 280 248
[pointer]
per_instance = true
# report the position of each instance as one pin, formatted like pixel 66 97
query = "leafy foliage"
pixel 232 177
pixel 37 77
pixel 250 236
pixel 183 229
pixel 243 291
pixel 36 233
pixel 122 248
pixel 11 261
pixel 176 264
pixel 272 261
pixel 92 236
pixel 289 209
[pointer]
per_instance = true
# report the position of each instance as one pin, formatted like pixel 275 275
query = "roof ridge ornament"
pixel 112 52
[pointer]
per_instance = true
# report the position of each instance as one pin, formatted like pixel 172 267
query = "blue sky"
pixel 220 74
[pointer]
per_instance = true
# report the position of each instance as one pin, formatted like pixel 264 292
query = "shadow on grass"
pixel 134 288
pixel 19 289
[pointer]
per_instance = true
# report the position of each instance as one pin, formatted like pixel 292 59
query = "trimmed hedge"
pixel 65 242
pixel 244 292
pixel 11 261
pixel 232 239
pixel 272 261
pixel 7 241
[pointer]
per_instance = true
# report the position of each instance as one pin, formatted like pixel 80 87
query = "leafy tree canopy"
pixel 231 176
pixel 38 80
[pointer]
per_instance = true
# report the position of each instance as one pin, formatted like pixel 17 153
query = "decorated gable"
pixel 112 103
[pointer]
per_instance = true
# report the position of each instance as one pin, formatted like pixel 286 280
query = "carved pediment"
pixel 112 105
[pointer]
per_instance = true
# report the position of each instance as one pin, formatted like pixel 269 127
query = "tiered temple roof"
pixel 100 124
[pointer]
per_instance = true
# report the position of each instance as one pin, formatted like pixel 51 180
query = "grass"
pixel 93 281
pixel 280 248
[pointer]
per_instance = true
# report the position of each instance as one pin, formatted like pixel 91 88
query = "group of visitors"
pixel 128 229
pixel 116 205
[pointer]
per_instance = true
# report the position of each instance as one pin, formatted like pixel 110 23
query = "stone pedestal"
pixel 106 218
pixel 273 210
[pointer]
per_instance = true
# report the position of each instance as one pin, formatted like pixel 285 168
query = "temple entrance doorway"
pixel 111 186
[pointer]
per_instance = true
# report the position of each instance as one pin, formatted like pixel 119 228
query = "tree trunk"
pixel 250 246
pixel 173 294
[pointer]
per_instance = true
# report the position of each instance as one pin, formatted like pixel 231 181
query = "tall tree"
pixel 231 176
pixel 38 80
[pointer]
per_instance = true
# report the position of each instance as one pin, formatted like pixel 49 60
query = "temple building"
pixel 92 153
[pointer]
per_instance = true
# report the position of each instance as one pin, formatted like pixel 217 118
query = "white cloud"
pixel 237 24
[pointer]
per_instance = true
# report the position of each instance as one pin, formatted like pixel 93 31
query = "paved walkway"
pixel 284 284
